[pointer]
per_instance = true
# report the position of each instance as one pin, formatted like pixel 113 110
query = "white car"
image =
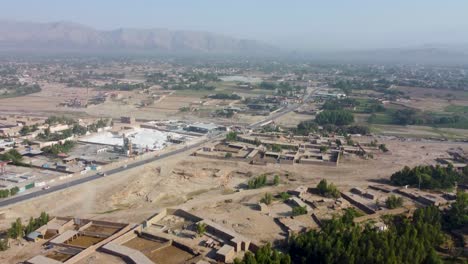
pixel 45 187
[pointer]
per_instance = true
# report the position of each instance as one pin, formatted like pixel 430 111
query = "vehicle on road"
pixel 102 174
pixel 45 187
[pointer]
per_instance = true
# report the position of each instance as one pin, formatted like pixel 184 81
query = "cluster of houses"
pixel 264 148
pixel 170 236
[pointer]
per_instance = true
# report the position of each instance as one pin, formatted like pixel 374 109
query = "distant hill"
pixel 437 54
pixel 67 36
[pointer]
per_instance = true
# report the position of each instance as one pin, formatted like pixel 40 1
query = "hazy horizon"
pixel 298 25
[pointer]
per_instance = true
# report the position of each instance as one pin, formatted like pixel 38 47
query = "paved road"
pixel 62 186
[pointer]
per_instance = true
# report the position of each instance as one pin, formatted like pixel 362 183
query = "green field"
pixel 462 109
pixel 381 118
pixel 231 87
pixel 194 93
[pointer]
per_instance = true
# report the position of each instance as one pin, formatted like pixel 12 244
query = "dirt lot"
pixel 292 119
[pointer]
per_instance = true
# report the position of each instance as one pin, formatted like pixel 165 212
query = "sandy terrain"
pixel 292 119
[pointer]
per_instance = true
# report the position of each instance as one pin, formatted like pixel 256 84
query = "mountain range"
pixel 62 37
pixel 68 36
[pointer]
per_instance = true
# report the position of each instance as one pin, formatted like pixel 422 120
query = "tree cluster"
pixel 124 86
pixel 231 136
pixel 457 215
pixel 342 241
pixel 18 230
pixel 327 190
pixel 340 104
pixel 334 117
pixel 394 202
pixel 12 155
pixel 225 96
pixel 9 192
pixel 427 177
pixel 299 210
pixel 257 182
pixel 28 129
pixel 64 147
pixel 264 255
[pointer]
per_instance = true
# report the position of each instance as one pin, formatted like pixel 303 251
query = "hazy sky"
pixel 300 24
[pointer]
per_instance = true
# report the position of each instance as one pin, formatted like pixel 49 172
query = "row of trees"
pixel 341 241
pixel 334 117
pixel 340 104
pixel 9 192
pixel 428 177
pixel 310 126
pixel 64 147
pixel 12 155
pixel 18 230
pixel 28 129
pixel 414 117
pixel 20 90
pixel 225 96
pixel 457 216
pixel 257 182
pixel 261 181
pixel 124 86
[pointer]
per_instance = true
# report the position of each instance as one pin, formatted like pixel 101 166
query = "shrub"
pixel 299 210
pixel 201 229
pixel 267 198
pixel 383 148
pixel 327 190
pixel 284 196
pixel 276 180
pixel 231 136
pixel 257 182
pixel 394 202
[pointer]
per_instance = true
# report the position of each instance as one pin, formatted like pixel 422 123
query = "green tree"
pixel 276 148
pixel 299 210
pixel 13 155
pixel 25 130
pixel 231 136
pixel 323 149
pixel 284 196
pixel 383 148
pixel 267 198
pixel 335 117
pixel 427 177
pixel 257 182
pixel 394 202
pixel 327 190
pixel 4 245
pixel 264 255
pixel 16 229
pixel 14 191
pixel 276 180
pixel 457 215
pixel 201 229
